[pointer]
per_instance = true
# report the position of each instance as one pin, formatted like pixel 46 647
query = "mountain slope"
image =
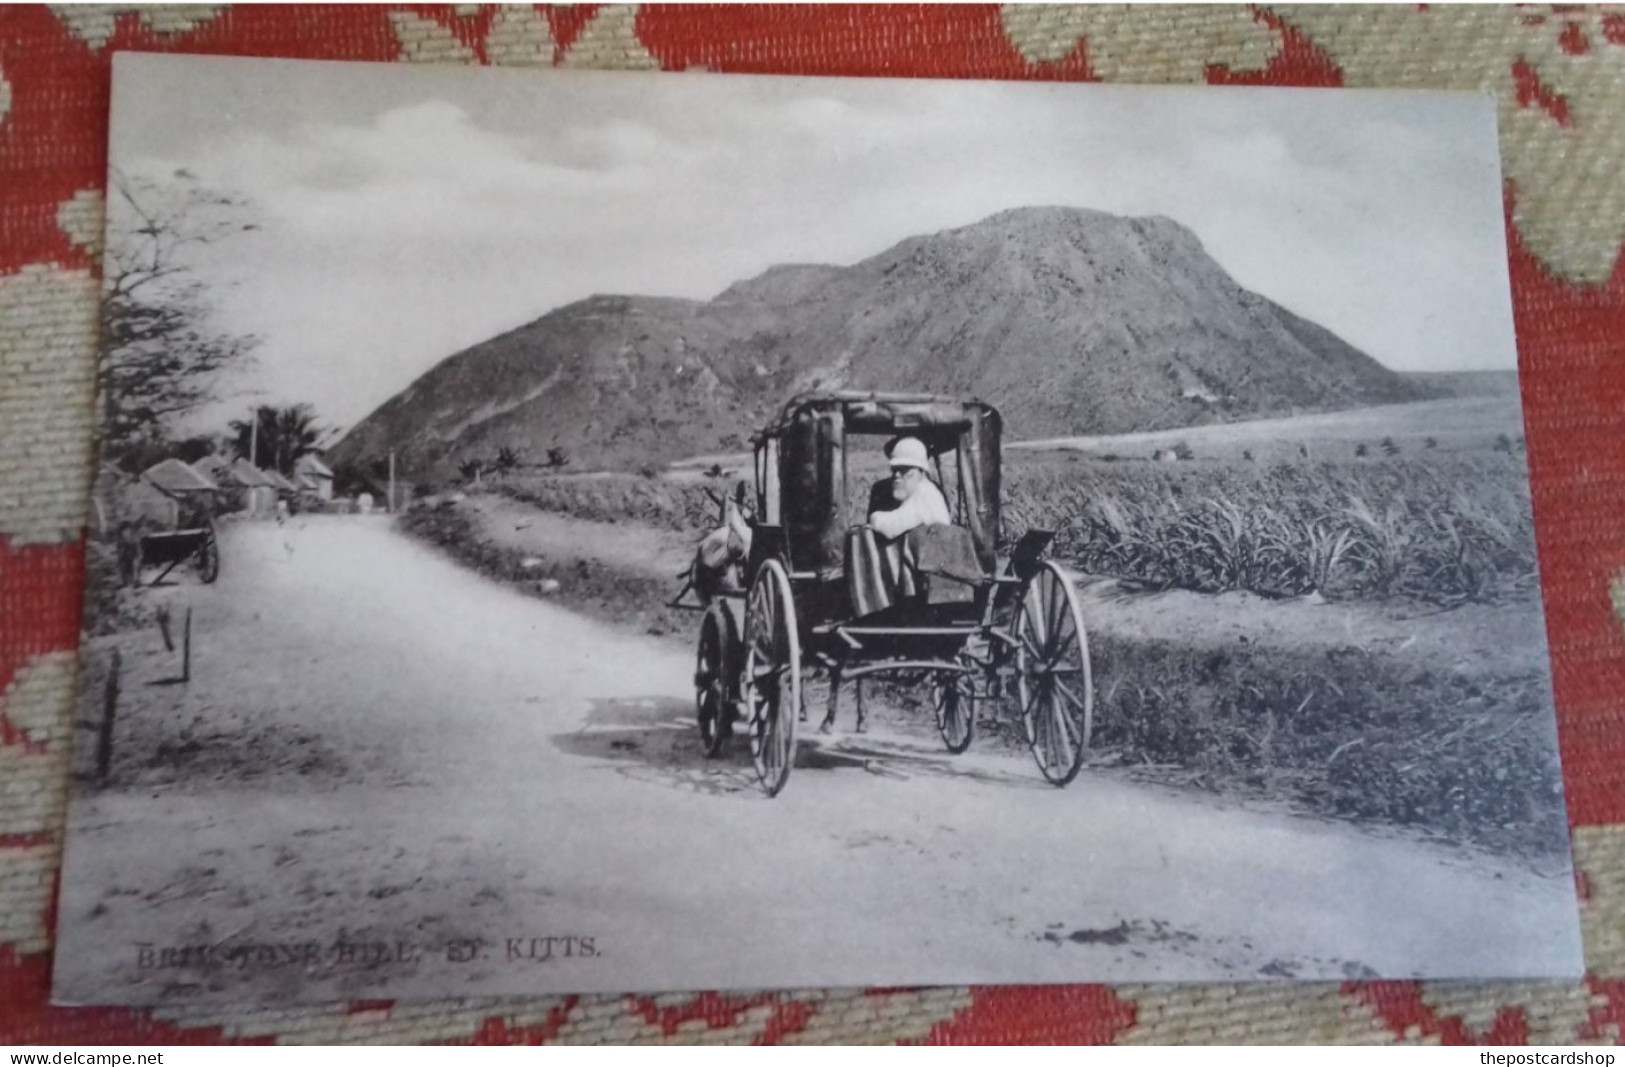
pixel 1071 321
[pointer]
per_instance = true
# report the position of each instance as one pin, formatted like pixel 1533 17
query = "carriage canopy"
pixel 814 484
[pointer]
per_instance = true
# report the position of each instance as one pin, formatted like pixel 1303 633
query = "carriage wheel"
pixel 718 651
pixel 1053 678
pixel 956 711
pixel 208 556
pixel 772 675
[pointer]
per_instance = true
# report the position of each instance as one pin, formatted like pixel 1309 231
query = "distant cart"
pixel 167 521
pixel 198 546
pixel 974 626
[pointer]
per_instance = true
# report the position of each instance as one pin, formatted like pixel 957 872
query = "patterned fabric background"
pixel 1559 76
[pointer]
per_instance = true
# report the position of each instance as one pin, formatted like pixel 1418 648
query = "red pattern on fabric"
pixel 1573 40
pixel 53 141
pixel 1613 28
pixel 1403 1010
pixel 1532 92
pixel 567 22
pixel 789 1017
pixel 39 612
pixel 60 89
pixel 719 1011
pixel 1571 343
pixel 1040 1014
pixel 1605 1020
pixel 1300 61
pixel 950 41
pixel 496 1031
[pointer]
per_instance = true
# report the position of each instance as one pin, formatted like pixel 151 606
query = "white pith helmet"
pixel 910 452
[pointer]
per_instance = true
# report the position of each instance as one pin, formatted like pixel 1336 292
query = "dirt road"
pixel 390 777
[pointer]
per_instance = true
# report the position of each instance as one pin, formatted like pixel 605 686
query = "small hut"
pixel 279 481
pixel 168 494
pixel 313 477
pixel 243 483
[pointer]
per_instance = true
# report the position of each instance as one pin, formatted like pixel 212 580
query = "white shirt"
pixel 923 507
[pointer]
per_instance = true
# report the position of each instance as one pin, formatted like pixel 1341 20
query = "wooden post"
pixel 186 647
pixel 163 628
pixel 104 735
pixel 392 481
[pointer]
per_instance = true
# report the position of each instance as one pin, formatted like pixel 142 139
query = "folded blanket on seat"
pixel 933 564
pixel 871 580
pixel 944 558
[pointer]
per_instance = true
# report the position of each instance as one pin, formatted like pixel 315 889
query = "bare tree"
pixel 159 347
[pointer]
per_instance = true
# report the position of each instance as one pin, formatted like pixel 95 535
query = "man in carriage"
pixel 916 499
pixel 916 534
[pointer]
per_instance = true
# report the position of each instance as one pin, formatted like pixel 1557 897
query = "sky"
pixel 404 213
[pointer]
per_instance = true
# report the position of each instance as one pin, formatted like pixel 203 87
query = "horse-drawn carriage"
pixel 800 590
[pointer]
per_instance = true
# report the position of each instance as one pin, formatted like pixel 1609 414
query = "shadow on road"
pixel 654 739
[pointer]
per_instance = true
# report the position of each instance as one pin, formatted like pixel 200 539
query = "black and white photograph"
pixel 572 532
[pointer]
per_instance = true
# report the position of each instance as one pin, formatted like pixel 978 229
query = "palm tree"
pixel 277 437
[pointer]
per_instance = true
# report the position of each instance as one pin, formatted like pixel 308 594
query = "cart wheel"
pixel 1053 679
pixel 713 681
pixel 772 675
pixel 208 556
pixel 956 711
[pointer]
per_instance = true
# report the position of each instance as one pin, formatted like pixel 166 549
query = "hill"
pixel 1071 321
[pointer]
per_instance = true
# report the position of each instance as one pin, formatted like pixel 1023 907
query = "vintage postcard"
pixel 580 532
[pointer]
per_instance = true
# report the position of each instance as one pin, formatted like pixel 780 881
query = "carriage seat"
pixel 931 565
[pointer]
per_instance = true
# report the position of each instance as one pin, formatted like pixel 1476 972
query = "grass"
pixel 664 503
pixel 1445 530
pixel 1342 732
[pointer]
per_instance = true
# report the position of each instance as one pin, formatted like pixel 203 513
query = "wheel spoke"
pixel 1065 746
pixel 1072 698
pixel 1055 610
pixel 1040 613
pixel 1027 705
pixel 1045 743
